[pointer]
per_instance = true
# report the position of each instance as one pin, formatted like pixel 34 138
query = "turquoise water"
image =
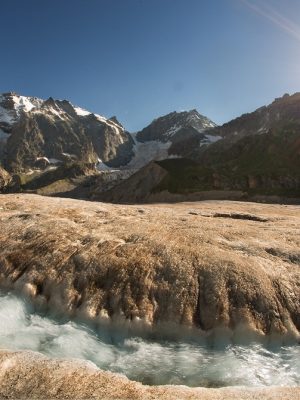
pixel 151 362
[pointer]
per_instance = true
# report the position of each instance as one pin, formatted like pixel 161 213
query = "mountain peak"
pixel 287 99
pixel 115 120
pixel 167 127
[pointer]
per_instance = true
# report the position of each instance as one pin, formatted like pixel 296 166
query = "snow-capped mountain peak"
pixel 45 130
pixel 12 105
pixel 167 127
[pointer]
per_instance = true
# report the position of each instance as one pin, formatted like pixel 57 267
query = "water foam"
pixel 151 362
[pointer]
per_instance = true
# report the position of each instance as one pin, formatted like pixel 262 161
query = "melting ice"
pixel 147 361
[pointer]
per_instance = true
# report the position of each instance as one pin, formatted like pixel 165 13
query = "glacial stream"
pixel 151 362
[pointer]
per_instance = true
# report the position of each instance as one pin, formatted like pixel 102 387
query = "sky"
pixel 140 59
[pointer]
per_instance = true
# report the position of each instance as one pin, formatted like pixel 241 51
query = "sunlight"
pixel 278 19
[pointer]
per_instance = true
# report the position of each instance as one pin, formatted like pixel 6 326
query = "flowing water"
pixel 151 362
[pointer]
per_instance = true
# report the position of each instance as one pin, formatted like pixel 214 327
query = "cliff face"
pixel 37 133
pixel 257 154
pixel 5 179
pixel 283 110
pixel 175 127
pixel 213 268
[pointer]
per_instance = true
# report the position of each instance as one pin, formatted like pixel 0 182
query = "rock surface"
pixel 5 179
pixel 210 268
pixel 28 375
pixel 136 188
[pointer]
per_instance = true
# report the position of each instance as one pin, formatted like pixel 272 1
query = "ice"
pixel 145 360
pixel 209 139
pixel 148 151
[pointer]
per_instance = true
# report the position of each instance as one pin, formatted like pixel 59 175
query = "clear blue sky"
pixel 138 59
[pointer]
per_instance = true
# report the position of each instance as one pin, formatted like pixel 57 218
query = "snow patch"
pixel 81 112
pixel 147 152
pixel 20 104
pixel 102 167
pixel 117 128
pixel 68 155
pixel 262 130
pixel 54 161
pixel 209 139
pixel 171 131
pixel 49 160
pixel 172 156
pixel 43 158
pixel 55 112
pixel 200 122
pixel 26 104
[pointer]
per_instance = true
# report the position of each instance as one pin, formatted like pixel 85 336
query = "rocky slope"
pixel 5 179
pixel 25 375
pixel 168 127
pixel 36 134
pixel 257 157
pixel 202 269
pixel 178 127
pixel 184 179
pixel 136 189
pixel 260 152
pixel 281 112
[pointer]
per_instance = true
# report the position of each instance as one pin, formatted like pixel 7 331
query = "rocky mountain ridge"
pixel 176 126
pixel 258 154
pixel 255 154
pixel 282 110
pixel 37 133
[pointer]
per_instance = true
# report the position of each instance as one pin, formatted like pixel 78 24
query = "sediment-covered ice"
pixel 151 362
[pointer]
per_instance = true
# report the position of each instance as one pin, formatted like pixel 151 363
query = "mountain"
pixel 35 134
pixel 256 157
pixel 280 112
pixel 159 139
pixel 260 151
pixel 176 127
pixel 54 147
pixel 50 143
